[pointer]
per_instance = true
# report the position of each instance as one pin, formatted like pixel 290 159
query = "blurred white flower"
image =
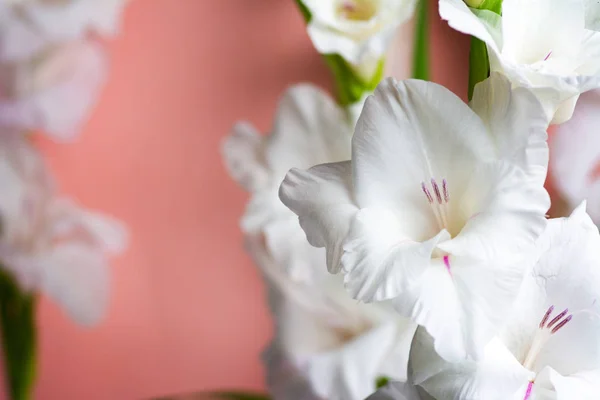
pixel 309 128
pixel 549 347
pixel 54 91
pixel 397 391
pixel 575 160
pixel 29 26
pixel 327 345
pixel 538 44
pixel 49 244
pixel 358 30
pixel 437 204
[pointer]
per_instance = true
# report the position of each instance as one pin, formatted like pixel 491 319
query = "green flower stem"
pixel 479 63
pixel 18 331
pixel 420 67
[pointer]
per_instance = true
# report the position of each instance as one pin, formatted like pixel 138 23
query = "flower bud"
pixel 492 5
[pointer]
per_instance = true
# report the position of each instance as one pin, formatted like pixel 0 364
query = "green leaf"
pixel 421 45
pixel 304 11
pixel 18 331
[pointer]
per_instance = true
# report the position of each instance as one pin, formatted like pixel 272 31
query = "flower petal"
pixel 516 122
pixel 322 199
pixel 379 262
pixel 507 213
pixel 483 24
pixel 462 304
pixel 396 391
pixel 498 376
pixel 581 385
pixel 410 132
pixel 243 153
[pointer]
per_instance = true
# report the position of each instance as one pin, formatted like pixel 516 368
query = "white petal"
pixel 507 213
pixel 63 91
pixel 516 122
pixel 396 391
pixel 29 27
pixel 77 277
pixel 497 377
pixel 322 199
pixel 309 129
pixel 463 306
pixel 351 372
pixel 410 132
pixel 243 153
pixel 584 385
pixel 482 24
pixel 575 148
pixel 532 29
pixel 379 262
pixel 592 14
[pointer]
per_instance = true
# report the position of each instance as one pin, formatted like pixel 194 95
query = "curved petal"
pixel 483 24
pixel 506 213
pixel 243 153
pixel 71 79
pixel 309 129
pixel 575 148
pixel 379 262
pixel 592 14
pixel 516 122
pixel 409 133
pixel 350 373
pixel 396 391
pixel 582 385
pixel 322 199
pixel 77 277
pixel 461 304
pixel 498 376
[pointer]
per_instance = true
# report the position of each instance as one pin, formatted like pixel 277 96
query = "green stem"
pixel 18 331
pixel 421 44
pixel 479 65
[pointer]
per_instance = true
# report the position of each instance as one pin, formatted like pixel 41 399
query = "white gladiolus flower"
pixel 49 244
pixel 309 128
pixel 575 161
pixel 55 91
pixel 436 206
pixel 29 26
pixel 550 345
pixel 358 30
pixel 544 45
pixel 327 345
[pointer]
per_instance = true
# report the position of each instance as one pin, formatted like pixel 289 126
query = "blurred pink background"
pixel 187 312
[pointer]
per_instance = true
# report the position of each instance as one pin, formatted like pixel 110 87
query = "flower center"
pixel 544 333
pixel 438 202
pixel 357 10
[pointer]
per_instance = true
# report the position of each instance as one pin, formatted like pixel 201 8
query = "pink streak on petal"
pixel 447 263
pixel 529 390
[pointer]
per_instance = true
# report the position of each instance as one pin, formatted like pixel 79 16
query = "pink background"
pixel 187 312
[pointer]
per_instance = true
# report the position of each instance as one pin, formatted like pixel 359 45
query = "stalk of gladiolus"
pixel 479 64
pixel 18 331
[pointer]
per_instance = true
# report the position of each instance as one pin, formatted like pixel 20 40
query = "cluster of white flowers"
pixel 52 65
pixel 434 264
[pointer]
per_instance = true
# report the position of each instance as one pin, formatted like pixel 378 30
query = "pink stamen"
pixel 529 390
pixel 447 263
pixel 562 323
pixel 546 316
pixel 436 190
pixel 427 193
pixel 445 190
pixel 548 56
pixel 558 318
